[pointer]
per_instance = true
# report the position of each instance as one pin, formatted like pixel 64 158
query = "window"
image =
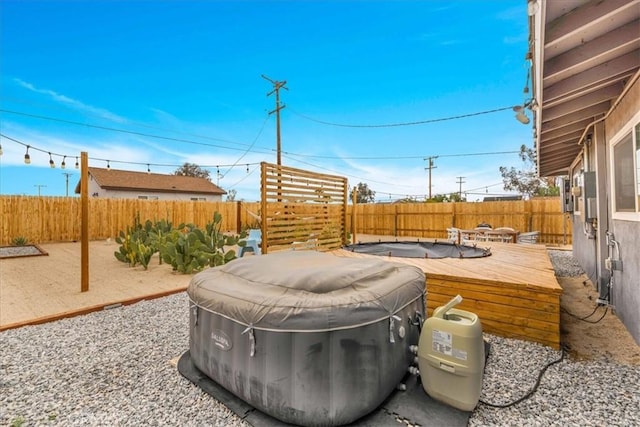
pixel 199 199
pixel 623 169
pixel 625 159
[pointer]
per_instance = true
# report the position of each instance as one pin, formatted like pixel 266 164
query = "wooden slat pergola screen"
pixel 302 209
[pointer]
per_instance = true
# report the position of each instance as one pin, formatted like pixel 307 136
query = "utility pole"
pixel 431 166
pixel 39 187
pixel 276 89
pixel 460 181
pixel 67 175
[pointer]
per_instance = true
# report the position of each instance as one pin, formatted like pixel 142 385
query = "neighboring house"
pixel 120 184
pixel 586 108
pixel 501 198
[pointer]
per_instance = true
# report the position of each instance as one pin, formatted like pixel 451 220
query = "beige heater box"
pixel 451 356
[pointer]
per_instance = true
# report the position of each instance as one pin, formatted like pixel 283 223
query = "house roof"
pixel 584 54
pixel 113 179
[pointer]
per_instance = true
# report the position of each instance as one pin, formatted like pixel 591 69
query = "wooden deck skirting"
pixel 514 291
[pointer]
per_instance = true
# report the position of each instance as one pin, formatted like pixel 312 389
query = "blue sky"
pixel 166 82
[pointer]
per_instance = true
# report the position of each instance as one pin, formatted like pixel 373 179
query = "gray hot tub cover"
pixel 306 291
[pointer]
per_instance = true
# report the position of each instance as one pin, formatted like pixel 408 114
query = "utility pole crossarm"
pixel 460 181
pixel 431 166
pixel 277 85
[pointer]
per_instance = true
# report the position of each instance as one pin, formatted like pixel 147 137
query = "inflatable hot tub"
pixel 306 337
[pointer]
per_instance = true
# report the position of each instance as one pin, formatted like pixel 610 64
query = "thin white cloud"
pixel 73 103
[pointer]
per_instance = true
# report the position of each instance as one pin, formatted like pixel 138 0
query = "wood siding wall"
pixel 56 219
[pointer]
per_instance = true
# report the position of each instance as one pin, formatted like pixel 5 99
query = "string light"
pixel 108 165
pixel 63 164
pixel 27 158
pixel 52 165
pixel 247 163
pixel 77 165
pixel 148 168
pixel 1 151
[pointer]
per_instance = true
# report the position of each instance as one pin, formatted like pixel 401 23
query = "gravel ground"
pixel 113 368
pixel 564 264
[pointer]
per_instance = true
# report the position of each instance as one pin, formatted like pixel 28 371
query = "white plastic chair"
pixel 507 237
pixel 530 237
pixel 453 234
pixel 480 236
pixel 252 243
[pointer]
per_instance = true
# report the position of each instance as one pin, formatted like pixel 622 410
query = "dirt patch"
pixel 592 333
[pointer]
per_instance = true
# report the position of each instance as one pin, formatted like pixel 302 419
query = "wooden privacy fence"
pixel 430 220
pixel 302 208
pixel 57 219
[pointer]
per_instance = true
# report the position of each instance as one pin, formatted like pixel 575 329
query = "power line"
pixel 130 132
pixel 32 147
pixel 386 125
pixel 399 157
pixel 259 150
pixel 248 149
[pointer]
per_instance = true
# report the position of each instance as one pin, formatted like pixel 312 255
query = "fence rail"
pixel 57 219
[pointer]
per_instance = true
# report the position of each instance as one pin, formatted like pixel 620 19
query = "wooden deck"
pixel 514 291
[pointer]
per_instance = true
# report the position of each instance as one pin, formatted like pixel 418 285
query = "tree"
pixel 191 169
pixel 231 195
pixel 363 194
pixel 446 198
pixel 525 181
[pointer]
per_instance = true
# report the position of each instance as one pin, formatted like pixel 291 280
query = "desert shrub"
pixel 19 241
pixel 186 248
pixel 189 249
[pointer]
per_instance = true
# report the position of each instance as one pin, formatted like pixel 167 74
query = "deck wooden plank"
pixel 514 291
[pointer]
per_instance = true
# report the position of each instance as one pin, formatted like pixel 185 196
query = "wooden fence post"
pixel 84 221
pixel 353 215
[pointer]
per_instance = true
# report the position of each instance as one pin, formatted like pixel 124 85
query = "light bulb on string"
pixel 247 163
pixel 77 165
pixel 0 149
pixel 63 164
pixel 148 168
pixel 108 165
pixel 52 165
pixel 27 157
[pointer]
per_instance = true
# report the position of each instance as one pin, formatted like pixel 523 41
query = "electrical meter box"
pixel 589 196
pixel 565 195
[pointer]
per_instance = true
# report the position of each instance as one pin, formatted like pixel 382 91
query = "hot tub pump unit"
pixel 450 356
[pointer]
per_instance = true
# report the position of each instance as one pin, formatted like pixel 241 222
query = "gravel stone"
pixel 564 264
pixel 106 368
pixel 113 368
